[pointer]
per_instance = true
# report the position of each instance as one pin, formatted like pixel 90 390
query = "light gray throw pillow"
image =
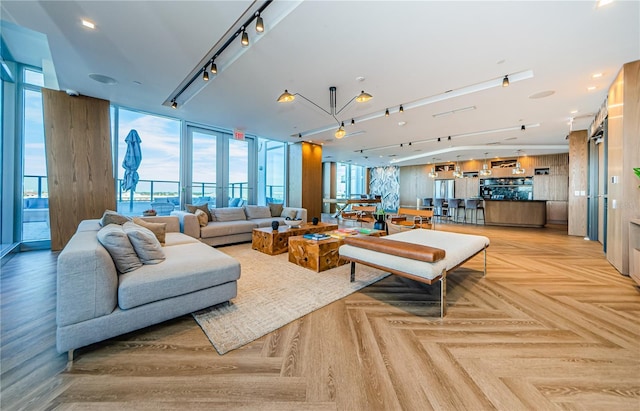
pixel 289 212
pixel 115 240
pixel 145 243
pixel 255 211
pixel 229 214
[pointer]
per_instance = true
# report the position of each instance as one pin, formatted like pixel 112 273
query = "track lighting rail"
pixel 240 31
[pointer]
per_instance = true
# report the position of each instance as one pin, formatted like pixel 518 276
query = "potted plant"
pixel 637 171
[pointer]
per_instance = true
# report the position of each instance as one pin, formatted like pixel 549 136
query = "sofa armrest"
pixel 188 223
pixel 302 214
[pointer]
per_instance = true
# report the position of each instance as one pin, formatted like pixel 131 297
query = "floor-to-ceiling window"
pixel 35 193
pixel 351 180
pixel 158 186
pixel 221 169
pixel 271 171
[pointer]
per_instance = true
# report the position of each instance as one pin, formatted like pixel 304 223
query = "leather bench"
pixel 420 254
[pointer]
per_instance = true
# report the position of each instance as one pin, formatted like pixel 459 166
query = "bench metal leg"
pixel 443 294
pixel 485 262
pixel 353 271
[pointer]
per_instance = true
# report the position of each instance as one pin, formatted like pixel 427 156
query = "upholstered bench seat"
pixel 420 254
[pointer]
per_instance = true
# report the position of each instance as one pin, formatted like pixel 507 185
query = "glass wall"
pixel 351 180
pixel 35 193
pixel 158 186
pixel 271 171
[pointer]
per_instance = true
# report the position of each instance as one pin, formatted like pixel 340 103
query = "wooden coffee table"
pixel 319 255
pixel 272 242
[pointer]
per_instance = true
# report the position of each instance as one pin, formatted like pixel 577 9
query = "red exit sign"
pixel 238 135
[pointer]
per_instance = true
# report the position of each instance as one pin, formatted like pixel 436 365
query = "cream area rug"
pixel 272 292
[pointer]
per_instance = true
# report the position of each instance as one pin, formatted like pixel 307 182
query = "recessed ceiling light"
pixel 88 24
pixel 604 2
pixel 360 78
pixel 591 88
pixel 596 75
pixel 574 111
pixel 402 123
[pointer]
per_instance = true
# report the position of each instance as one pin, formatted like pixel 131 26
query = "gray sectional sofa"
pixel 234 224
pixel 96 302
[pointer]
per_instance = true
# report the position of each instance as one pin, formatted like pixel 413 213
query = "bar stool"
pixel 438 204
pixel 474 204
pixel 454 204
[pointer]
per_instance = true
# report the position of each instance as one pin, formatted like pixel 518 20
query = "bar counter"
pixel 517 213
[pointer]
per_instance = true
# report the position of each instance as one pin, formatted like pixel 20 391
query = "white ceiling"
pixel 406 52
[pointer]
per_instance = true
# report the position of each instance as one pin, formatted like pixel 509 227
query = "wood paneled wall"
pixel 79 162
pixel 578 153
pixel 623 145
pixel 415 183
pixel 305 178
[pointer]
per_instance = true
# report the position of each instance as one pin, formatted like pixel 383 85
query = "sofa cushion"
pixel 254 211
pixel 115 240
pixel 292 213
pixel 158 229
pixel 229 214
pixel 188 268
pixel 276 209
pixel 178 238
pixel 145 243
pixel 112 217
pixel 222 228
pixel 204 207
pixel 203 220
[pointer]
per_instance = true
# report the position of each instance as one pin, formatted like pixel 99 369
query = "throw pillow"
pixel 254 211
pixel 112 217
pixel 289 212
pixel 159 229
pixel 115 240
pixel 229 214
pixel 276 209
pixel 145 243
pixel 202 218
pixel 204 207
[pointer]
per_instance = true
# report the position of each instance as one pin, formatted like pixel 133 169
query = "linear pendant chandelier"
pixel 287 97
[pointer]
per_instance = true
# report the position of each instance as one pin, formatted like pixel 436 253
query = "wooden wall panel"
pixel 79 162
pixel 577 195
pixel 623 146
pixel 415 183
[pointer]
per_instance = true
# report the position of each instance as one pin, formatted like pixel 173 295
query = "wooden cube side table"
pixel 316 255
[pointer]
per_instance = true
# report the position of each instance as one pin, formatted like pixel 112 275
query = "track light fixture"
pixel 245 38
pixel 449 138
pixel 523 127
pixel 259 23
pixel 287 97
pixel 438 139
pixel 353 122
pixel 386 113
pixel 174 105
pixel 205 74
pixel 245 20
pixel 505 81
pixel 401 109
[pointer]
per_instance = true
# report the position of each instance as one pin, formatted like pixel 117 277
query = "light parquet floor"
pixel 553 326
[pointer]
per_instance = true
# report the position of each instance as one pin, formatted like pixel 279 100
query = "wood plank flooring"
pixel 553 326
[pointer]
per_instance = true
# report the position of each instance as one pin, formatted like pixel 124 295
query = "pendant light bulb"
pixel 259 24
pixel 245 39
pixel 363 97
pixel 340 131
pixel 286 97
